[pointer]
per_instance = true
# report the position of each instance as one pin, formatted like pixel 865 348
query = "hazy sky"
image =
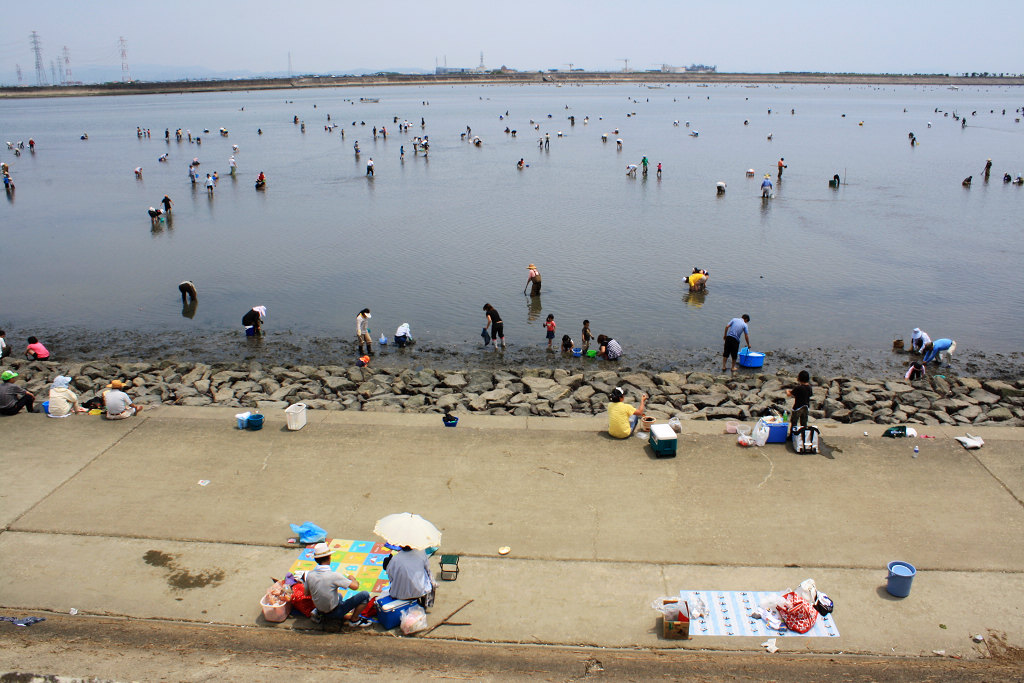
pixel 939 36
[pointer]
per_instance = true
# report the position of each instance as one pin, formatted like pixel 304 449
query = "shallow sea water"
pixel 428 241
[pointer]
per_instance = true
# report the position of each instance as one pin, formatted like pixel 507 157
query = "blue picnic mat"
pixel 729 615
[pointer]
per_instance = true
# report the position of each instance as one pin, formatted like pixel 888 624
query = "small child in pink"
pixel 549 325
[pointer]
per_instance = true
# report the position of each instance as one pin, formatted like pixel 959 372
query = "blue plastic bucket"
pixel 750 359
pixel 901 576
pixel 255 422
pixel 577 352
pixel 46 407
pixel 450 423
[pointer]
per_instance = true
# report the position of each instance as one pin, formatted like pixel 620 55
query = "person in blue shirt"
pixel 766 186
pixel 735 328
pixel 938 348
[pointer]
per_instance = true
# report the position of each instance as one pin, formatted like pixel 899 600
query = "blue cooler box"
pixel 390 611
pixel 778 432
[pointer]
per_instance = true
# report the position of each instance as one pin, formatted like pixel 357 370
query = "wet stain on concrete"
pixel 155 558
pixel 179 577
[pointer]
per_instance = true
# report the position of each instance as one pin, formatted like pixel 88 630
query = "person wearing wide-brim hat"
pixel 119 404
pixel 322 585
pixel 12 396
pixel 533 277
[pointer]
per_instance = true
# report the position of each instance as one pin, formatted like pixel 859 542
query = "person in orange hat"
pixel 119 404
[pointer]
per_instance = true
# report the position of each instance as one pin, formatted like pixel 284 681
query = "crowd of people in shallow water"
pixel 492 333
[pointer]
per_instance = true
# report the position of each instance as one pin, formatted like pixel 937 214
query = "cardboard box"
pixel 678 628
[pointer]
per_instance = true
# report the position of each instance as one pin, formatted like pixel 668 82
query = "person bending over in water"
pixel 766 187
pixel 698 280
pixel 188 291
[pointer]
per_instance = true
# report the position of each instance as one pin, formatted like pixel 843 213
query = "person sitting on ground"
pixel 62 401
pixel 801 395
pixel 35 350
pixel 916 371
pixel 409 572
pixel 12 396
pixel 608 348
pixel 119 404
pixel 698 280
pixel 919 339
pixel 622 417
pixel 322 586
pixel 403 335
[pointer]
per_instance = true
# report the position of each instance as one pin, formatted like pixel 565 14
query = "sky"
pixel 196 39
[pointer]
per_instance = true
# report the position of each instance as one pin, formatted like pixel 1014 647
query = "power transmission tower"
pixel 67 66
pixel 625 65
pixel 53 72
pixel 38 49
pixel 126 76
pixel 17 67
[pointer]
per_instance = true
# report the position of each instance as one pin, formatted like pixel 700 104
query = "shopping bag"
pixel 797 613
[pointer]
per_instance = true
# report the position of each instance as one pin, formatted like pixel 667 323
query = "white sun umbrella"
pixel 405 528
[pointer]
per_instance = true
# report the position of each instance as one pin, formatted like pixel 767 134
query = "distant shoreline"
pixel 516 78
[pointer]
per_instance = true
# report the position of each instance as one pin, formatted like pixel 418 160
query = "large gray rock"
pixel 195 401
pixel 969 412
pixel 1004 389
pixel 454 381
pixel 583 393
pixel 982 396
pixel 496 396
pixel 336 383
pixel 706 400
pixel 538 385
pixel 999 413
pixel 555 393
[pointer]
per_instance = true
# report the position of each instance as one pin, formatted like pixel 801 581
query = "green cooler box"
pixel 663 441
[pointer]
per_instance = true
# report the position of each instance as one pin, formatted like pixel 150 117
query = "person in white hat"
pixel 919 339
pixel 322 584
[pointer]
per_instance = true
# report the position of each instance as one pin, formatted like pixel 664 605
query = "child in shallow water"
pixel 549 325
pixel 567 344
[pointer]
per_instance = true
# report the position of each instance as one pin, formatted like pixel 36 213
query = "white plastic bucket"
pixel 296 416
pixel 243 419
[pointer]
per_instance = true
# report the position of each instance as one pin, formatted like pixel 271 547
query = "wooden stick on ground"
pixel 445 619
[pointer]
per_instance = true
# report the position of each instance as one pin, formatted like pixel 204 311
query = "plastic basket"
pixel 296 416
pixel 275 613
pixel 450 423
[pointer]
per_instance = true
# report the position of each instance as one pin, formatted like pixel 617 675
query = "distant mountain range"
pixel 158 72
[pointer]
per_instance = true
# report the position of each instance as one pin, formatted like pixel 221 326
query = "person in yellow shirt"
pixel 622 417
pixel 698 280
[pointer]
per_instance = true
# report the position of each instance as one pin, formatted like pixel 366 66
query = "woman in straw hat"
pixel 534 277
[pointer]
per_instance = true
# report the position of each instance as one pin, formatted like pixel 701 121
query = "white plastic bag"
pixel 745 440
pixel 808 591
pixel 761 432
pixel 414 620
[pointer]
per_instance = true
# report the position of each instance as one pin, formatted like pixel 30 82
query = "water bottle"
pixel 915 451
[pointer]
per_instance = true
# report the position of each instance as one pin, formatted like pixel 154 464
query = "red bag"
pixel 370 610
pixel 300 600
pixel 798 614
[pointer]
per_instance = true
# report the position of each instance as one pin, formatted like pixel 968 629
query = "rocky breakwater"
pixel 538 391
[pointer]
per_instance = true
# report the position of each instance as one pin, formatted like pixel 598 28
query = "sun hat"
pixel 531 267
pixel 321 550
pixel 116 384
pixel 62 381
pixel 8 375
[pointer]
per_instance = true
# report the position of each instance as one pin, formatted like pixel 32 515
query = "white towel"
pixel 262 310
